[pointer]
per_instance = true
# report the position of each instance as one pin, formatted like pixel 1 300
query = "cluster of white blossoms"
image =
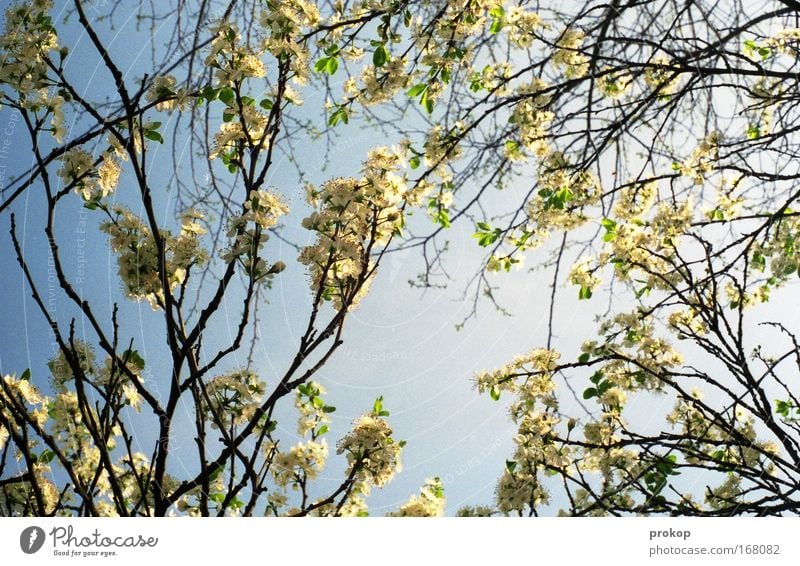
pixel 50 103
pixel 64 420
pixel 249 233
pixel 703 159
pixel 137 253
pixel 284 22
pixel 429 503
pixel 313 413
pixel 635 200
pixel 643 247
pixel 584 274
pixel 373 458
pixel 371 452
pixel 302 462
pixel 15 392
pixel 687 322
pixel 779 255
pixel 517 490
pixel 165 93
pixel 247 130
pixel 28 39
pixel 568 56
pixel 531 121
pixel 563 195
pixel 660 76
pixel 231 399
pixel 727 205
pixel 538 449
pixel 633 335
pixel 353 218
pixel 379 84
pixel 521 26
pixel 785 41
pixel 441 147
pixel 231 60
pixel 735 444
pixel 535 367
pixel 92 183
pixel 614 84
pixel 27 43
pixel 493 78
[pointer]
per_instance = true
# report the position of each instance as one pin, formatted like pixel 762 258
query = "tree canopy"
pixel 643 155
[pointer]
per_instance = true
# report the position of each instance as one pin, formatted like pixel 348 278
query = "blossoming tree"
pixel 655 143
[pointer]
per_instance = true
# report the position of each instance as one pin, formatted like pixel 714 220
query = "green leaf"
pixel 133 358
pixel 339 115
pixel 583 358
pixel 322 64
pixel 783 407
pixel 511 466
pixel 328 409
pixel 494 393
pixel 154 136
pixel 589 393
pixel 377 406
pixel 266 104
pixel 497 12
pixel 379 57
pixel 332 66
pixel 418 89
pixel 442 218
pixel 227 96
pixel 608 224
pixel 46 457
pixel 322 430
pixel 210 93
pixel 414 161
pixel 26 375
pixel 584 293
